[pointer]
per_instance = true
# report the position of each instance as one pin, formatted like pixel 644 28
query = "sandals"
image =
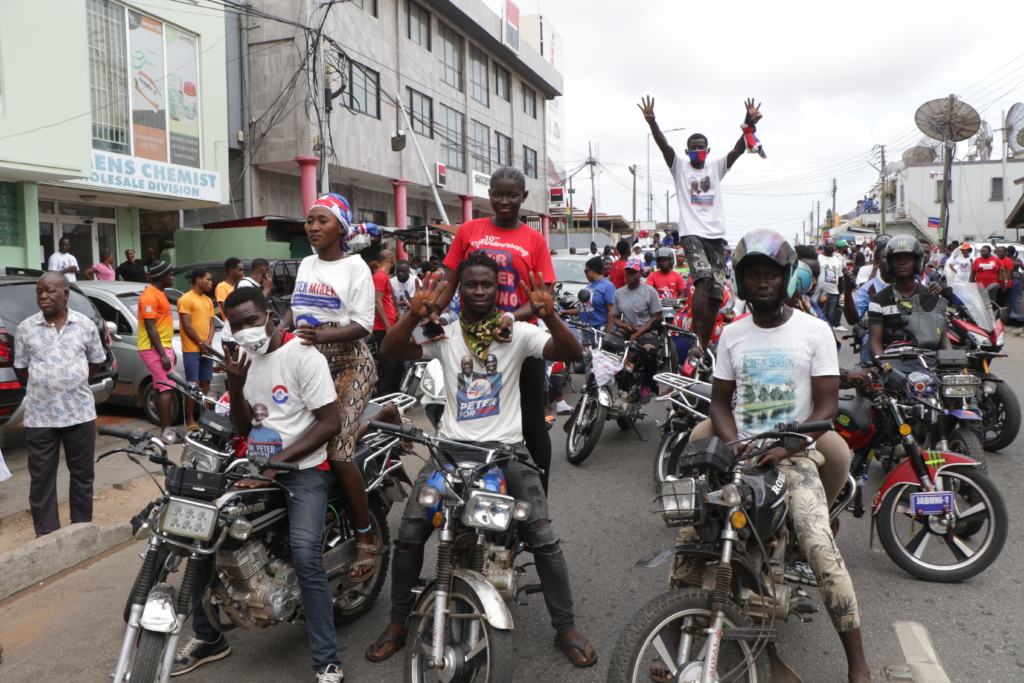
pixel 373 549
pixel 659 679
pixel 384 640
pixel 581 645
pixel 549 420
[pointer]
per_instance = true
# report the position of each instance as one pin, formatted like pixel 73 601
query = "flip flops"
pixel 384 640
pixel 579 644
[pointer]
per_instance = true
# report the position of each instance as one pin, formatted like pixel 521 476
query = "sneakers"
pixel 197 652
pixel 840 328
pixel 332 674
pixel 563 408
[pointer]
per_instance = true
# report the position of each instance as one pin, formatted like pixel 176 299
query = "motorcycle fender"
pixel 989 376
pixel 961 414
pixel 904 472
pixel 495 609
pixel 159 614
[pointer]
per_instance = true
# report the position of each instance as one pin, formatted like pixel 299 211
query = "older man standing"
pixel 56 353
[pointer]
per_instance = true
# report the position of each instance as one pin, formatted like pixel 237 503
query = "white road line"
pixel 919 652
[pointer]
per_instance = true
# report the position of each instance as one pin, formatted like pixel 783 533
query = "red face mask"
pixel 697 156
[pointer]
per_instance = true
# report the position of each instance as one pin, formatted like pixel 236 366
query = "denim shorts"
pixel 197 368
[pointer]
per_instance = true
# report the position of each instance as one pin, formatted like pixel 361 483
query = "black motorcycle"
pixel 689 403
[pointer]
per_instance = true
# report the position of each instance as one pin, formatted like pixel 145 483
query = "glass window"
pixel 413 221
pixel 480 147
pixel 10 226
pixel 478 89
pixel 108 75
pixel 106 238
pixel 364 90
pixel 530 162
pixel 529 101
pixel 451 127
pixel 419 24
pixel 504 148
pixel 997 188
pixel 45 206
pixel 449 56
pixel 370 216
pixel 113 315
pixel 87 210
pixel 366 5
pixel 421 113
pixel 569 270
pixel 502 83
pixel 938 191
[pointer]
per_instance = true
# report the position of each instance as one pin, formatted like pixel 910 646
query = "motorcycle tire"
pixel 665 460
pixel 1000 414
pixel 589 431
pixel 379 521
pixel 148 654
pixel 964 441
pixel 630 659
pixel 499 665
pixel 908 557
pixel 623 423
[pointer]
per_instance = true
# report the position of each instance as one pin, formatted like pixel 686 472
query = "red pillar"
pixel 308 167
pixel 467 207
pixel 401 212
pixel 545 226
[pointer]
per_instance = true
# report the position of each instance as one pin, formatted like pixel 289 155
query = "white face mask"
pixel 254 339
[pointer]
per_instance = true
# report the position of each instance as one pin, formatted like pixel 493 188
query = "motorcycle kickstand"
pixel 632 423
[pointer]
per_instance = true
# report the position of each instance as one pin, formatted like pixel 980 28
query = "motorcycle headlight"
pixel 521 512
pixel 428 496
pixel 189 518
pixel 488 510
pixel 989 387
pixel 980 339
pixel 680 501
pixel 428 384
pixel 959 391
pixel 1000 340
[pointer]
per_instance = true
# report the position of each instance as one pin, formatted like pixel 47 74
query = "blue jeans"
pixel 832 310
pixel 306 512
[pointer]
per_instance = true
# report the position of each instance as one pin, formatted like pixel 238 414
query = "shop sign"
pixel 481 185
pixel 120 173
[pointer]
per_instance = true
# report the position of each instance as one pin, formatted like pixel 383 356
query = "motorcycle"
pixel 239 538
pixel 433 400
pixel 974 326
pixel 411 377
pixel 930 493
pixel 689 404
pixel 460 626
pixel 727 618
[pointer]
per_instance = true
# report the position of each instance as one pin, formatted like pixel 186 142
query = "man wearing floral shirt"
pixel 56 353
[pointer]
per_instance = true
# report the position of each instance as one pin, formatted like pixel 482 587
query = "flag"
pixel 933 222
pixel 590 213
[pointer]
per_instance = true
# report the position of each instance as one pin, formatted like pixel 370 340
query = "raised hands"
pixel 647 107
pixel 424 301
pixel 753 113
pixel 540 294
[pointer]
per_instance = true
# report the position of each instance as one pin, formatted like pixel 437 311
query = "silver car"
pixel 118 303
pixel 569 272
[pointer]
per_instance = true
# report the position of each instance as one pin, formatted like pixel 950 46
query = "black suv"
pixel 17 302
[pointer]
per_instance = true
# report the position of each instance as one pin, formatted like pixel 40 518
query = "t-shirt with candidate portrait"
pixel 263 441
pixel 698 191
pixel 773 368
pixel 831 271
pixel 334 292
pixel 483 398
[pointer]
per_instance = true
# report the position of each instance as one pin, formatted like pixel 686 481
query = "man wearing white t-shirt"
pixel 63 261
pixel 961 263
pixel 403 285
pixel 829 278
pixel 701 216
pixel 484 405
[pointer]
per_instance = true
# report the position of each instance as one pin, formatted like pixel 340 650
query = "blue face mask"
pixel 697 156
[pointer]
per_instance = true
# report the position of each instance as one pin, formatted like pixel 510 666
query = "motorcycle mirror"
pixel 583 296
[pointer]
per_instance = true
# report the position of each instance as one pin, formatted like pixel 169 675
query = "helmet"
pixel 802 281
pixel 666 252
pixel 829 241
pixel 763 244
pixel 905 244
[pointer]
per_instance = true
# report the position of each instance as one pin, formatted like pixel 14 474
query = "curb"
pixel 43 557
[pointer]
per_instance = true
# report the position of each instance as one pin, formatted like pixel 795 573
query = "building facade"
pixel 119 120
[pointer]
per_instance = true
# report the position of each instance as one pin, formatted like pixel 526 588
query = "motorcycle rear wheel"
pixel 148 654
pixel 964 441
pixel 645 638
pixel 363 595
pixel 585 430
pixel 1001 416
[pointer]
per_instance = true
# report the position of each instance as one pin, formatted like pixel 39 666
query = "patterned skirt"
pixel 354 373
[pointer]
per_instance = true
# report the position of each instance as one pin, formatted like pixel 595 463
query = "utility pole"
pixel 667 217
pixel 247 203
pixel 322 95
pixel 885 190
pixel 947 164
pixel 633 170
pixel 568 222
pixel 593 188
pixel 819 214
pixel 803 228
pixel 1006 188
pixel 810 222
pixel 833 201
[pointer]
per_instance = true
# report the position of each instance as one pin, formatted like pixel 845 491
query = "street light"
pixel 650 190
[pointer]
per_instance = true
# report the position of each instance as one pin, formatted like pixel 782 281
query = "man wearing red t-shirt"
pixel 668 283
pixel 385 316
pixel 618 276
pixel 988 271
pixel 1006 276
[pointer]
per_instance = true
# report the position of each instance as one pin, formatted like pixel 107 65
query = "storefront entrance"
pixel 91 229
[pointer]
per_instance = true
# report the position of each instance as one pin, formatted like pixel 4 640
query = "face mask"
pixel 697 156
pixel 254 339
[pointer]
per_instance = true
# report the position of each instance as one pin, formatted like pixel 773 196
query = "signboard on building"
pixel 556 198
pixel 120 173
pixel 510 26
pixel 481 185
pixel 442 175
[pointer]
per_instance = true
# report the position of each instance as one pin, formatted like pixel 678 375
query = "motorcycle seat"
pixel 702 389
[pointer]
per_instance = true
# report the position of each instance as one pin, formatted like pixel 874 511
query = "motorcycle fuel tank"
pixel 854 421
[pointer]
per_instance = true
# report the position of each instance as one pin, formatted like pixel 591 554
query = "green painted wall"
pixel 218 245
pixel 128 232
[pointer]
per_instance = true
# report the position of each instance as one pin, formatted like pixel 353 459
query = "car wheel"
pixel 149 406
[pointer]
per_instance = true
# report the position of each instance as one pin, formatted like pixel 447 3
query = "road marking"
pixel 919 652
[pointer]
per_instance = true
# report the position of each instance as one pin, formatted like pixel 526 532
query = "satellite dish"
pixel 1015 128
pixel 935 120
pixel 919 155
pixel 982 147
pixel 894 167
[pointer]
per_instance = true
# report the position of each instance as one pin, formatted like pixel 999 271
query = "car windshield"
pixel 569 271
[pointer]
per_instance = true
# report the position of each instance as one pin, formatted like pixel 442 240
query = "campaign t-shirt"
pixel 382 284
pixel 59 262
pixel 153 305
pixel 831 271
pixel 595 311
pixel 1007 263
pixel 986 270
pixel 773 368
pixel 289 384
pixel 518 253
pixel 962 264
pixel 404 291
pixel 334 291
pixel 699 196
pixel 484 403
pixel 669 285
pixel 636 306
pixel 200 308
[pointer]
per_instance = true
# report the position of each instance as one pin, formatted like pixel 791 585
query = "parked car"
pixel 17 302
pixel 283 272
pixel 118 304
pixel 569 272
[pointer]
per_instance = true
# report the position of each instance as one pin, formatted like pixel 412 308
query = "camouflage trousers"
pixel 808 512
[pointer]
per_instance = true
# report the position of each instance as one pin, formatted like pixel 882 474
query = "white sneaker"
pixel 840 328
pixel 332 674
pixel 563 408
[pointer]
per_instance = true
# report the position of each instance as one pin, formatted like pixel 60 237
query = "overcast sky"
pixel 834 80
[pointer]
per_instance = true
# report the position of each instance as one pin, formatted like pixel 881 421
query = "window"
pixel 370 216
pixel 413 221
pixel 451 126
pixel 480 147
pixel 530 162
pixel 10 226
pixel 529 101
pixel 502 83
pixel 997 189
pixel 419 24
pixel 449 56
pixel 504 148
pixel 478 89
pixel 421 112
pixel 366 5
pixel 108 77
pixel 938 190
pixel 112 315
pixel 364 90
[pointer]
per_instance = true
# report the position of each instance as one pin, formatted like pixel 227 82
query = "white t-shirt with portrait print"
pixel 831 271
pixel 698 191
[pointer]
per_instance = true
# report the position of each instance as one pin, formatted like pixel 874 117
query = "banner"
pixel 123 173
pixel 146 71
pixel 183 97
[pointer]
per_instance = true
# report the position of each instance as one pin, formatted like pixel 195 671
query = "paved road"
pixel 602 510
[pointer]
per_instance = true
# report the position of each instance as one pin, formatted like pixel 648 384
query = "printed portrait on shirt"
pixel 478 393
pixel 263 441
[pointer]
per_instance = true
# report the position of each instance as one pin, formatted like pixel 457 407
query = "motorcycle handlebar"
pixel 811 427
pixel 122 433
pixel 398 430
pixel 266 463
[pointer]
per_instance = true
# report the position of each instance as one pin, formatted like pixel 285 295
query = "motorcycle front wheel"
pixel 1001 417
pixel 148 655
pixel 473 649
pixel 964 441
pixel 927 547
pixel 648 637
pixel 585 430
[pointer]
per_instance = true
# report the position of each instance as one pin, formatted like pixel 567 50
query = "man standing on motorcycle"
pixel 292 384
pixel 492 414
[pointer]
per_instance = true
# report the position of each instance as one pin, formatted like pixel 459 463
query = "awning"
pixel 1015 219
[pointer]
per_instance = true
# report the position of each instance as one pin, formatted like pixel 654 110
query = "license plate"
pixel 934 503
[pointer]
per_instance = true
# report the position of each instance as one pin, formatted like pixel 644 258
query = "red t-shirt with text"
pixel 518 253
pixel 986 270
pixel 382 283
pixel 669 285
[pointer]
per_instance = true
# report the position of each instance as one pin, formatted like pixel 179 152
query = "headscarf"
pixel 341 209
